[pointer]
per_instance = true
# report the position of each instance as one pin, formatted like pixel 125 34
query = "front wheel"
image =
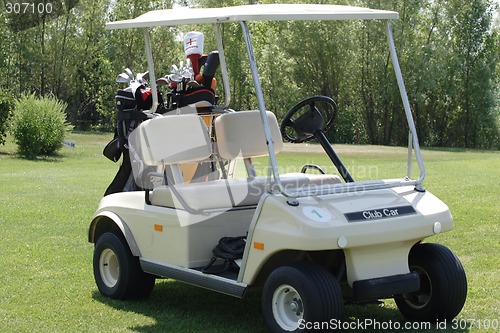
pixel 296 298
pixel 117 272
pixel 443 284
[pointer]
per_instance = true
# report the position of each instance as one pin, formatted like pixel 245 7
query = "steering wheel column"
pixel 313 122
pixel 321 137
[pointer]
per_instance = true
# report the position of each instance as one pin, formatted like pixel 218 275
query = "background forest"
pixel 449 52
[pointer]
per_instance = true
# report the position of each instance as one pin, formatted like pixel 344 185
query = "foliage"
pixel 38 125
pixel 448 52
pixel 6 105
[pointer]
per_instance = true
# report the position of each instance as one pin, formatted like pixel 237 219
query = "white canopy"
pixel 268 12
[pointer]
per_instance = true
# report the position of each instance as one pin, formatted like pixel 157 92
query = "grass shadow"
pixel 178 307
pixel 7 153
pixel 373 317
pixel 11 150
pixel 52 158
pixel 460 150
pixel 446 149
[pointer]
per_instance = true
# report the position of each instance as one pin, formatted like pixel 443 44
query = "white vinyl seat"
pixel 168 141
pixel 239 135
pixel 173 139
pixel 227 193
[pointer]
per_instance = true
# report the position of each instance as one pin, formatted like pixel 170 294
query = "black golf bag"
pixel 130 103
pixel 183 98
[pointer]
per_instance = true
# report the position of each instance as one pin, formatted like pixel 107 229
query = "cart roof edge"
pixel 263 12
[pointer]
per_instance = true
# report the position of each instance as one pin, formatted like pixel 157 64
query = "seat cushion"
pixel 227 193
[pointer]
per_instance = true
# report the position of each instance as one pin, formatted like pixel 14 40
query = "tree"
pixel 448 52
pixel 474 46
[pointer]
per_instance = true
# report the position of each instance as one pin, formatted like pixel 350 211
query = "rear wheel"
pixel 296 297
pixel 443 284
pixel 117 272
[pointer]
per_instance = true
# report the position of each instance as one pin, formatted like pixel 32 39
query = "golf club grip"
pixel 210 67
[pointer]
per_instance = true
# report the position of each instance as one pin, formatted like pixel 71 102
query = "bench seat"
pixel 227 193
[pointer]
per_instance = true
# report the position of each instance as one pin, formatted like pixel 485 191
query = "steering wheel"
pixel 307 117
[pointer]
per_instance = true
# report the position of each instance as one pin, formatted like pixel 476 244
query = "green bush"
pixel 38 125
pixel 6 105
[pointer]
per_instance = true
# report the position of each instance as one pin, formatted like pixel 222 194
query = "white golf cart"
pixel 312 241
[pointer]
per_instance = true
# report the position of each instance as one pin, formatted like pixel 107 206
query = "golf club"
pixel 123 78
pixel 129 73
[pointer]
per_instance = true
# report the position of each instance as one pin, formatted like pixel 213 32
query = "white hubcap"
pixel 288 309
pixel 109 268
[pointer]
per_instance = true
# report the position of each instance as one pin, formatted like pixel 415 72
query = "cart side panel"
pixel 168 235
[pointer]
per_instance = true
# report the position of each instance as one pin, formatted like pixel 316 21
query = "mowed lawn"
pixel 46 279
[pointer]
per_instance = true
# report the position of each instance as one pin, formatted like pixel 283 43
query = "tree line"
pixel 448 52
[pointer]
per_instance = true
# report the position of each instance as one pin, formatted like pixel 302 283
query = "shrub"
pixel 6 105
pixel 38 125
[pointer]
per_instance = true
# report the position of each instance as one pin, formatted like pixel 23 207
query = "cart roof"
pixel 266 12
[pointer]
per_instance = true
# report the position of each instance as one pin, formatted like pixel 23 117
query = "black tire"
pixel 117 272
pixel 299 294
pixel 443 285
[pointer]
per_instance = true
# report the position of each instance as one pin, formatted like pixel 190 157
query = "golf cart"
pixel 309 241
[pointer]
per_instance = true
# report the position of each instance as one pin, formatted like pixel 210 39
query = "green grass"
pixel 46 280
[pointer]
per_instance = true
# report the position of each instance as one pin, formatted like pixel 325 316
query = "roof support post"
pixel 222 59
pixel 151 69
pixel 273 164
pixel 406 104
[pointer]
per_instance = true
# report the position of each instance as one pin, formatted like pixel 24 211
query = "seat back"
pixel 168 141
pixel 175 139
pixel 241 134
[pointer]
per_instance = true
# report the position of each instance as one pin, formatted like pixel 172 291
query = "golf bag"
pixel 184 98
pixel 130 103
